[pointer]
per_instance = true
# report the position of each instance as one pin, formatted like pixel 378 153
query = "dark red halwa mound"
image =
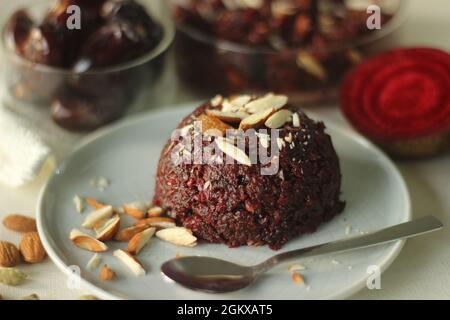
pixel 234 204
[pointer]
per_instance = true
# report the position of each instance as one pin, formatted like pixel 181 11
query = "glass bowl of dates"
pixel 301 48
pixel 84 62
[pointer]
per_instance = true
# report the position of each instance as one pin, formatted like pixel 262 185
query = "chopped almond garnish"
pixel 298 278
pixel 94 203
pixel 210 124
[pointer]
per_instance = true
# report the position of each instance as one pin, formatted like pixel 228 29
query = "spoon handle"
pixel 401 231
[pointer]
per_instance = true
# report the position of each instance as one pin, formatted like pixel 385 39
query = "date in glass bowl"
pixel 74 96
pixel 300 48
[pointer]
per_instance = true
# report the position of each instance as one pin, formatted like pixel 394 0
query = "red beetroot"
pixel 401 100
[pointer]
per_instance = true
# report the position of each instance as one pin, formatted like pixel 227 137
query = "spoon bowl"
pixel 208 274
pixel 218 276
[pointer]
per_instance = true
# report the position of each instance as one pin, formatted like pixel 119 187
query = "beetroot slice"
pixel 400 95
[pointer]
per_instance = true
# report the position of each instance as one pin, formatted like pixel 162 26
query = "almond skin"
pixel 134 212
pixel 127 234
pixel 106 274
pixel 31 248
pixel 157 222
pixel 94 203
pixel 9 255
pixel 19 223
pixel 86 242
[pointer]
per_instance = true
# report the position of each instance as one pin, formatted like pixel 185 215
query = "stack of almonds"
pixel 245 112
pixel 104 222
pixel 30 249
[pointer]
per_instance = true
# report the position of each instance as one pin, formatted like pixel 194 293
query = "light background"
pixel 422 270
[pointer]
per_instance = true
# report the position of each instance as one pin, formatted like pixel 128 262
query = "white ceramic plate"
pixel 127 154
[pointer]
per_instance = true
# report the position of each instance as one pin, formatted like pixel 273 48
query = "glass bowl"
pixel 211 65
pixel 95 97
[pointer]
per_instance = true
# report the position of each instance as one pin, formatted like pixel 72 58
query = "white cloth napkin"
pixel 28 138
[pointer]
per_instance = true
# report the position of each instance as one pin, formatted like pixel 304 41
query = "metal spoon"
pixel 219 276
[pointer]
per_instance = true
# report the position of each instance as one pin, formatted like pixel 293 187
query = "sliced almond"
pixel 257 119
pixel 298 278
pixel 107 274
pixel 140 240
pixel 137 210
pixel 296 120
pixel 269 101
pixel 86 242
pixel 228 116
pixel 311 65
pixel 98 215
pixel 107 229
pixel 178 236
pixel 126 234
pixel 132 263
pixel 240 101
pixel 78 203
pixel 94 203
pixel 237 154
pixel 210 123
pixel 155 212
pixel 278 119
pixel 94 262
pixel 216 101
pixel 157 222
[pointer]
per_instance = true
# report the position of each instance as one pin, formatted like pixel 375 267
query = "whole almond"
pixel 106 274
pixel 31 248
pixel 19 223
pixel 9 254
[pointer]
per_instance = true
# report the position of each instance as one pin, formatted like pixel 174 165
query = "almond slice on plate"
pixel 140 240
pixel 157 222
pixel 106 230
pixel 155 212
pixel 107 274
pixel 228 116
pixel 126 234
pixel 278 119
pixel 78 202
pixel 178 236
pixel 257 119
pixel 94 203
pixel 94 262
pixel 311 65
pixel 86 242
pixel 269 101
pixel 210 123
pixel 132 263
pixel 137 210
pixel 233 151
pixel 98 215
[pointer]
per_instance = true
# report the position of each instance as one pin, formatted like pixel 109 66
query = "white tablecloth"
pixel 422 270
